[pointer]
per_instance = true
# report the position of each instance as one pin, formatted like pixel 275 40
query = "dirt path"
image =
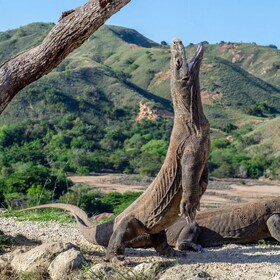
pixel 219 192
pixel 108 183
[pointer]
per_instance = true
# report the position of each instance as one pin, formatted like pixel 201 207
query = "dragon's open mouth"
pixel 181 68
pixel 196 58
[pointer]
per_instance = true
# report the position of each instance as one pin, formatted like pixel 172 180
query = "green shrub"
pixel 87 199
pixel 15 200
pixel 219 143
pixel 36 195
pixel 120 201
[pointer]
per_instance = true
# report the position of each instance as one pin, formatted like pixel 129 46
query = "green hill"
pixel 138 68
pixel 81 117
pixel 260 61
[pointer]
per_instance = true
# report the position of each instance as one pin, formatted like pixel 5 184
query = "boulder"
pixel 65 263
pixel 39 258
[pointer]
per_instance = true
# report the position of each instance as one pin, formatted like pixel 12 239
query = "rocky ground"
pixel 258 261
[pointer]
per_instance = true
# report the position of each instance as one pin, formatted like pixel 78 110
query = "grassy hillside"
pixel 18 40
pixel 99 86
pixel 260 61
pixel 265 137
pixel 80 118
pixel 138 68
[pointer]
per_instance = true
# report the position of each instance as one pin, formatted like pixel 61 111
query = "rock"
pixel 38 258
pixel 147 269
pixel 100 271
pixel 3 263
pixel 64 263
pixel 203 274
pixel 183 272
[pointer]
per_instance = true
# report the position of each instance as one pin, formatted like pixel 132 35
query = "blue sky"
pixel 191 20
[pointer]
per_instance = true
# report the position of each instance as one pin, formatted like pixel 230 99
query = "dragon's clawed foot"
pixel 188 245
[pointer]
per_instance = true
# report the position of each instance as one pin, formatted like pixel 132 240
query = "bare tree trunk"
pixel 73 28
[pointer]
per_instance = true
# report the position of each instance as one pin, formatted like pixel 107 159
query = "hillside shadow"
pixel 167 104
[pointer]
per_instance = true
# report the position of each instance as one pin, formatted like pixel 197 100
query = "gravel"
pixel 227 262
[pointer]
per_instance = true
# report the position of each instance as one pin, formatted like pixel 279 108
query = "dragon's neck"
pixel 188 107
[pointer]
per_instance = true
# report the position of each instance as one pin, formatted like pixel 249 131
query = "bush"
pixel 227 128
pixel 119 201
pixel 15 200
pixel 95 203
pixel 272 46
pixel 219 143
pixel 37 195
pixel 87 199
pixel 153 154
pixel 225 160
pixel 259 109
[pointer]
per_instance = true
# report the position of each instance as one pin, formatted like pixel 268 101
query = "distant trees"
pixel 72 29
pixel 35 158
pixel 259 109
pixel 272 46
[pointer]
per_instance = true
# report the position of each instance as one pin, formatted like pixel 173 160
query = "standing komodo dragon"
pixel 183 177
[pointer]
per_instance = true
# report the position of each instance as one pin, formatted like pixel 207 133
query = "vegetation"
pixel 34 161
pixel 42 215
pixel 80 118
pixel 91 202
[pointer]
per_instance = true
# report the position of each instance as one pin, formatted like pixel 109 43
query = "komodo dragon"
pixel 183 177
pixel 239 224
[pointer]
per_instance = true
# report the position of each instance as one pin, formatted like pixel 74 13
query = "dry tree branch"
pixel 71 31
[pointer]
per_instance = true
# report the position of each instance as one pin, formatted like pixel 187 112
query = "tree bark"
pixel 72 29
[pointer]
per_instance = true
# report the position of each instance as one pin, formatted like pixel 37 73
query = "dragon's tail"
pixel 96 234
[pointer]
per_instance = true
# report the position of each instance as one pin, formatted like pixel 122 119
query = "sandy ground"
pixel 230 262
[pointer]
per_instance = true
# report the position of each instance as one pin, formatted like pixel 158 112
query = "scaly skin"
pixel 183 178
pixel 239 224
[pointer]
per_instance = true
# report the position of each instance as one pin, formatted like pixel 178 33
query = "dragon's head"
pixel 185 89
pixel 180 68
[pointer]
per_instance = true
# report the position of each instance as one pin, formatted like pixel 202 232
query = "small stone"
pixel 203 274
pixel 101 270
pixel 147 269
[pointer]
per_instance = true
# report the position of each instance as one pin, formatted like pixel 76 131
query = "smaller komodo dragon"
pixel 239 224
pixel 183 177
